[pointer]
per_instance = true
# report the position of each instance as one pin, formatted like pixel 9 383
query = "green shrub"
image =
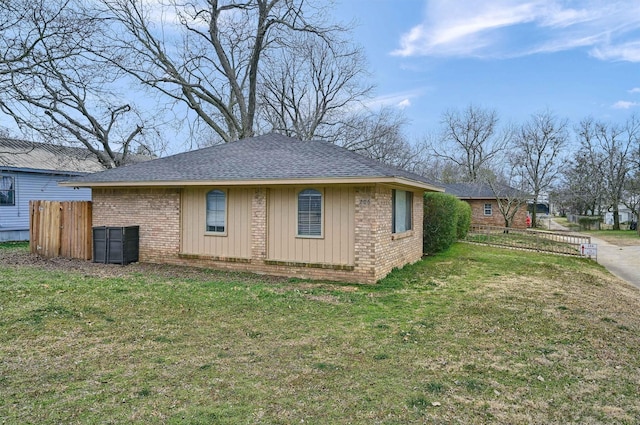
pixel 589 222
pixel 464 219
pixel 440 222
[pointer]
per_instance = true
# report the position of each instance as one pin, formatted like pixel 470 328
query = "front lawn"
pixel 616 237
pixel 476 335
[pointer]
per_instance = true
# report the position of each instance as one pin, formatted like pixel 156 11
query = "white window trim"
pixel 322 195
pixel 226 212
pixel 15 192
pixel 490 210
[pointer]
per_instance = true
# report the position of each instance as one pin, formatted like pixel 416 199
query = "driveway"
pixel 622 261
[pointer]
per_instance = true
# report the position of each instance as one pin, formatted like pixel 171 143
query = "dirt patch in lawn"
pixel 21 257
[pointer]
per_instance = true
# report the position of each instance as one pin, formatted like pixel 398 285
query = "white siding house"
pixel 31 171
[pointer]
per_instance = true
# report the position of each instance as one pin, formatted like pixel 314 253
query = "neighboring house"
pixel 30 171
pixel 484 203
pixel 625 215
pixel 269 204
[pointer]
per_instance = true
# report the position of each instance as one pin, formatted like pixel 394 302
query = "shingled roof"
pixel 43 157
pixel 480 191
pixel 267 159
pixel 49 158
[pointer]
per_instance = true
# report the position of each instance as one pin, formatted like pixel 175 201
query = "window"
pixel 7 191
pixel 216 211
pixel 309 213
pixel 401 214
pixel 488 209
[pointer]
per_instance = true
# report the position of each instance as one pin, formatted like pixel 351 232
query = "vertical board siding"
pixel 235 243
pixel 35 186
pixel 336 246
pixel 60 229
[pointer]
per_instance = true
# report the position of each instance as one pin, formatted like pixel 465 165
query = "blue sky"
pixel 575 58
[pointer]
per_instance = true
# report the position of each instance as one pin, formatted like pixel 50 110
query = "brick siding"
pixel 496 218
pixel 157 212
pixel 397 250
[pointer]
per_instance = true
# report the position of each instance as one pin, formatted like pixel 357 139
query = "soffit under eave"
pixel 389 181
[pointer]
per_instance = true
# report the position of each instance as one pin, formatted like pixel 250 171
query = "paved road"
pixel 622 261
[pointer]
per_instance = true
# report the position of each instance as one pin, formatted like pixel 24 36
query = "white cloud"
pixel 405 103
pixel 635 90
pixel 510 28
pixel 460 28
pixel 624 52
pixel 399 100
pixel 623 104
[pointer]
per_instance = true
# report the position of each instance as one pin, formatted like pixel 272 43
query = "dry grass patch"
pixel 476 335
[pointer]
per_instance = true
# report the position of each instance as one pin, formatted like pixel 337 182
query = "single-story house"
pixel 484 203
pixel 625 215
pixel 268 204
pixel 30 171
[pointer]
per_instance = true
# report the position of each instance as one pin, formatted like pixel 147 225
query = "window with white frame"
pixel 402 202
pixel 488 209
pixel 216 211
pixel 7 191
pixel 310 213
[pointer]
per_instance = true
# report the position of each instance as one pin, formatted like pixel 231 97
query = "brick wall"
pixel 496 218
pixel 259 224
pixel 156 211
pixel 366 228
pixel 396 250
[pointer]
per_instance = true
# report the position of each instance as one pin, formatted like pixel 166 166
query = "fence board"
pixel 60 229
pixel 553 242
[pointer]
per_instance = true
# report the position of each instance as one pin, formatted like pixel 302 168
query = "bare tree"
pixel 631 194
pixel 581 191
pixel 24 25
pixel 379 135
pixel 509 200
pixel 62 90
pixel 537 152
pixel 311 89
pixel 471 140
pixel 208 55
pixel 610 149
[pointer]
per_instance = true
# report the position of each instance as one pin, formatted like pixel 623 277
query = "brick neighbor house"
pixel 268 204
pixel 484 203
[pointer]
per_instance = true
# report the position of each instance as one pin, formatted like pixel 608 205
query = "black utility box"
pixel 116 245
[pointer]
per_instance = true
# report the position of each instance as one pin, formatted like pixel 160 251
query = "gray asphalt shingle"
pixel 480 190
pixel 267 157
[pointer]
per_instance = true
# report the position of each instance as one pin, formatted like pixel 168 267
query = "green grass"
pixel 14 245
pixel 532 240
pixel 475 335
pixel 566 223
pixel 623 237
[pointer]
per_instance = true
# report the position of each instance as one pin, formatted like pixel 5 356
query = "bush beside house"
pixel 446 219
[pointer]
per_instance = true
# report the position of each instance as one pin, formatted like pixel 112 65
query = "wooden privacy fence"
pixel 553 242
pixel 60 229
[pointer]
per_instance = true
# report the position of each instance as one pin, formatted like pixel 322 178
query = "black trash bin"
pixel 116 245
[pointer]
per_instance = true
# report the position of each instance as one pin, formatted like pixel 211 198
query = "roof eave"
pixel 401 181
pixel 9 169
